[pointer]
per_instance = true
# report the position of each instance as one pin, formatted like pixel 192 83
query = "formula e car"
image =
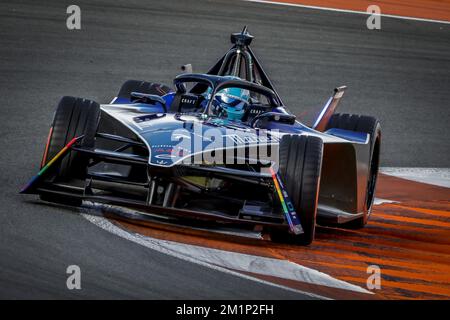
pixel 220 146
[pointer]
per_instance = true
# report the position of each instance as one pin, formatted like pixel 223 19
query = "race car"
pixel 220 146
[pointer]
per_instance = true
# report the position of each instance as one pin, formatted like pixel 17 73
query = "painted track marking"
pixel 176 251
pixel 435 176
pixel 226 259
pixel 332 257
pixel 288 4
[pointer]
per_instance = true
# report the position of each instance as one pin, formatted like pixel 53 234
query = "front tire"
pixel 300 165
pixel 74 117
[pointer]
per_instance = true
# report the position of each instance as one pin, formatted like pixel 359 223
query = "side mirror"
pixel 148 99
pixel 273 116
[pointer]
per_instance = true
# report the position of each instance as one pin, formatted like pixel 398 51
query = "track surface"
pixel 422 9
pixel 408 239
pixel 399 74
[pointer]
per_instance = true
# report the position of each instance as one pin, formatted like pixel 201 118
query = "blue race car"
pixel 222 146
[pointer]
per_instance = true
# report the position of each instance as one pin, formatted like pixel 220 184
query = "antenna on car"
pixel 242 38
pixel 251 70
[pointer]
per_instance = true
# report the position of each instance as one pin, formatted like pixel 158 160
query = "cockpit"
pixel 225 97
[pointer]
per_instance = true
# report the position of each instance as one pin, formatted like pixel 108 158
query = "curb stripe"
pixel 221 259
pixel 287 4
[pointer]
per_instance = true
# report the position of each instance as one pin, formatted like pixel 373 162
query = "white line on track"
pixel 225 260
pixel 435 176
pixel 379 201
pixel 162 247
pixel 346 11
pixel 235 263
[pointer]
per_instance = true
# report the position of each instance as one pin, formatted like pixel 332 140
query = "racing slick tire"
pixel 300 166
pixel 143 87
pixel 74 117
pixel 370 125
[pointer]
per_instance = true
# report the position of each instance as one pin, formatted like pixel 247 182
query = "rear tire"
pixel 370 125
pixel 74 117
pixel 300 166
pixel 142 87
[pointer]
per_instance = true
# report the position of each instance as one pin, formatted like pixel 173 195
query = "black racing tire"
pixel 74 117
pixel 300 166
pixel 370 125
pixel 142 87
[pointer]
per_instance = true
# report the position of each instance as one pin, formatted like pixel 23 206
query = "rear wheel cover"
pixel 371 126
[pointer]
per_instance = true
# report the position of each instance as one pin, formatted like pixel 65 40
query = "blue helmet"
pixel 233 101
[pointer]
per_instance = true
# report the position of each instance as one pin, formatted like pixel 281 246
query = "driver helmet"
pixel 232 101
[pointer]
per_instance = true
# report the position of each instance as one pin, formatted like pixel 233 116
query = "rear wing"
pixel 330 107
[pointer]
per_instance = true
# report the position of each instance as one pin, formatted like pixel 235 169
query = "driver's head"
pixel 232 102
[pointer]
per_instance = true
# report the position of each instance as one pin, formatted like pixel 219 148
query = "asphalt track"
pixel 407 238
pixel 399 74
